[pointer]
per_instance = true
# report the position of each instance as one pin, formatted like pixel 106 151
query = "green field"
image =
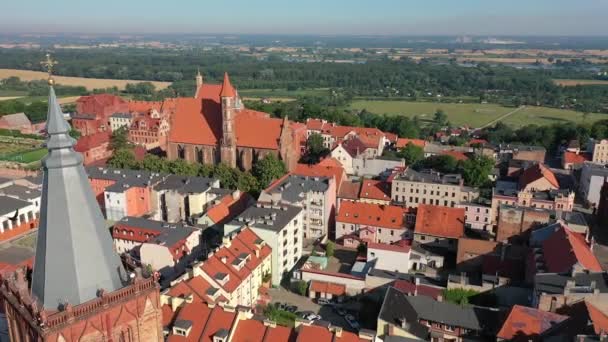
pixel 476 115
pixel 282 93
pixel 21 154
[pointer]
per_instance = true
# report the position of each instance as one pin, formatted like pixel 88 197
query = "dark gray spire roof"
pixel 74 254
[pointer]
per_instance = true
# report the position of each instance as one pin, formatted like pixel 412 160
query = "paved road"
pixel 502 117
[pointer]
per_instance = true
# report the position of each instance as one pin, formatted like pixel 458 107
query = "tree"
pixel 476 171
pixel 120 139
pixel 154 163
pixel 247 183
pixel 411 153
pixel 122 159
pixel 302 287
pixel 330 248
pixel 441 118
pixel 440 163
pixel 227 176
pixel 315 149
pixel 268 169
pixel 75 134
pixel 458 295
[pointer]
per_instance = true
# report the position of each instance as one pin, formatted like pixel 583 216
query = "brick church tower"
pixel 79 290
pixel 229 106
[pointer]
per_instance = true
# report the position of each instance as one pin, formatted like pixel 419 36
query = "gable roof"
pixel 440 221
pixel 376 215
pixel 87 142
pixel 16 120
pixel 576 158
pixel 354 146
pixel 536 172
pixel 326 168
pixel 523 322
pixel 250 330
pixel 565 248
pixel 375 190
pixel 598 314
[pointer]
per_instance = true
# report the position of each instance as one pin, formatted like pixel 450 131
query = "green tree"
pixel 302 287
pixel 315 149
pixel 458 295
pixel 440 163
pixel 122 159
pixel 330 249
pixel 247 182
pixel 441 118
pixel 411 153
pixel 268 169
pixel 120 139
pixel 154 163
pixel 477 170
pixel 227 176
pixel 75 134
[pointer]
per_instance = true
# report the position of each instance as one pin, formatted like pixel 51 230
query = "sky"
pixel 356 17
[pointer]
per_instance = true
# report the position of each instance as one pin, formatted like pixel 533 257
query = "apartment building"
pixel 166 247
pixel 281 227
pixel 477 216
pixel 439 226
pixel 412 188
pixel 179 198
pixel 593 177
pixel 315 195
pixel 121 193
pixel 599 151
pixel 358 222
pixel 120 120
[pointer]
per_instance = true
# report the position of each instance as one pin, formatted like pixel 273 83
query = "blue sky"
pixel 399 17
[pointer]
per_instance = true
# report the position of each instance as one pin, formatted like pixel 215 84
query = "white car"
pixel 313 317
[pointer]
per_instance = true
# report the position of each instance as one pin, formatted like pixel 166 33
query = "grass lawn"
pixel 281 94
pixel 458 113
pixel 476 115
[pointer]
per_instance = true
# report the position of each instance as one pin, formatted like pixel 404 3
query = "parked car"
pixel 291 308
pixel 323 301
pixel 313 317
pixel 352 322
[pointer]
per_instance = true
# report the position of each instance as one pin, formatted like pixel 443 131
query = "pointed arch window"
pixel 181 152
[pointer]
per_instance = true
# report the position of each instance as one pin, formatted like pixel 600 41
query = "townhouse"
pixel 281 227
pixel 358 222
pixel 412 188
pixel 439 226
pixel 166 247
pixel 17 217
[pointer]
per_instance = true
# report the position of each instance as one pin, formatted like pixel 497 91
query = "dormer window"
pixel 182 327
pixel 221 336
pixel 213 293
pixel 221 278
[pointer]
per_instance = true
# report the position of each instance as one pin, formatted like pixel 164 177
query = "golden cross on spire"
pixel 48 64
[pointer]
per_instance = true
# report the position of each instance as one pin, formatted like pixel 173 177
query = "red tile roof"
pixel 440 221
pixel 375 190
pixel 228 207
pixel 354 146
pixel 566 248
pixel 525 322
pixel 412 289
pixel 308 333
pixel 349 190
pixel 598 316
pixel 402 142
pixel 576 158
pixel 459 156
pixel 227 89
pixel 326 168
pixel 536 172
pixel 327 287
pixel 477 142
pixel 198 314
pixel 88 142
pixel 375 215
pixel 251 330
pixel 144 106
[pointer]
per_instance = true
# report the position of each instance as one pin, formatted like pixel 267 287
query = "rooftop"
pixel 21 192
pixel 267 216
pixel 440 221
pixel 167 234
pixel 524 321
pixel 9 205
pixel 292 187
pixel 376 215
pixel 375 190
pixel 429 176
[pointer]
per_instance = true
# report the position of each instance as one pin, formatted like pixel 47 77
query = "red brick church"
pixel 214 126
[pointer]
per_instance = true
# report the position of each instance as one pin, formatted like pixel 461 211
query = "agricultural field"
pixel 477 115
pixel 89 83
pixel 21 150
pixel 572 83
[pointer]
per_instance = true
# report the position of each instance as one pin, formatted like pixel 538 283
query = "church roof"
pixel 74 254
pixel 227 88
pixel 198 121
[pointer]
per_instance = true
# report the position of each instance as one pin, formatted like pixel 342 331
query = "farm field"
pixel 572 83
pixel 475 115
pixel 89 83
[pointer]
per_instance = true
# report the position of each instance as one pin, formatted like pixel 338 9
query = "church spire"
pixel 74 253
pixel 227 88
